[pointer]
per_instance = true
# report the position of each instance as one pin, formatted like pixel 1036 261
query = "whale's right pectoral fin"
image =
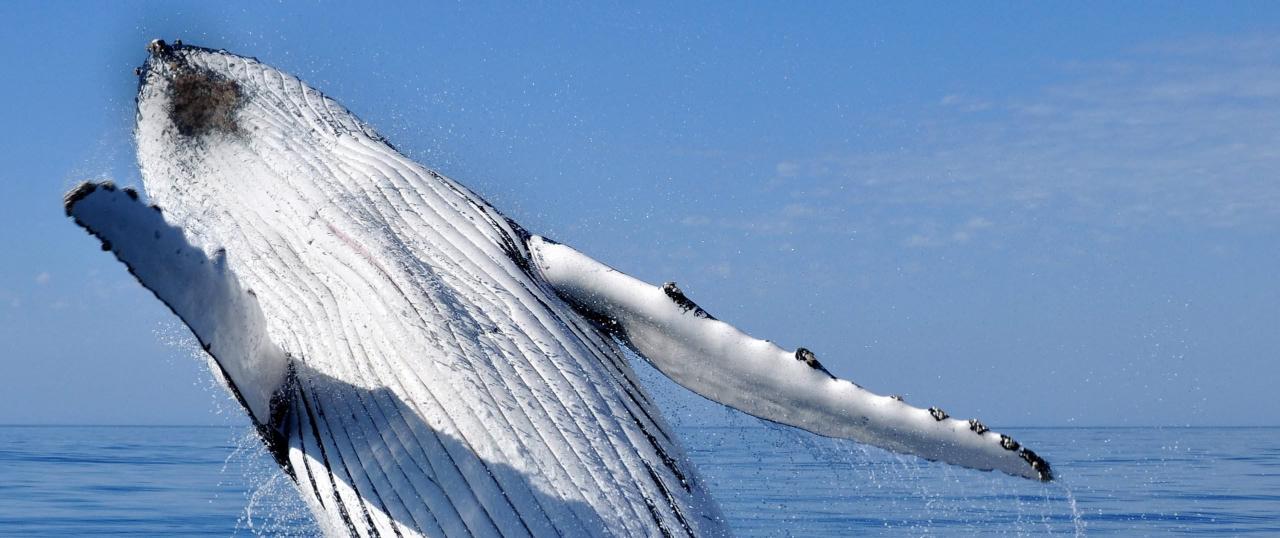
pixel 196 286
pixel 721 363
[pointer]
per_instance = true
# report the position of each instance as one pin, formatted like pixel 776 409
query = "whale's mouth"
pixel 200 101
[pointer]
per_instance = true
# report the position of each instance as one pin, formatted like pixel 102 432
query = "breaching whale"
pixel 417 362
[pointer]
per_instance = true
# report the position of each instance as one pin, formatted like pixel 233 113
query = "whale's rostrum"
pixel 419 363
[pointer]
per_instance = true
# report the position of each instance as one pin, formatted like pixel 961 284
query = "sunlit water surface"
pixel 770 481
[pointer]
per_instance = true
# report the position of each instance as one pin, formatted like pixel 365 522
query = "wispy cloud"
pixel 931 236
pixel 784 218
pixel 1185 133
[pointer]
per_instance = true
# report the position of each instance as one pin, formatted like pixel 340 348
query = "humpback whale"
pixel 417 362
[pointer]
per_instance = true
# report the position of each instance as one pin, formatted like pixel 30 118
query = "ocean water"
pixel 771 481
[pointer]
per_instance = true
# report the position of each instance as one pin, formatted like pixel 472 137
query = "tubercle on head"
pixel 158 47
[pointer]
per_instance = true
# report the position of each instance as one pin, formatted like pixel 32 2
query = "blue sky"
pixel 1039 215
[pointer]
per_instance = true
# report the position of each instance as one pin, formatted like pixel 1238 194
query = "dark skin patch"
pixel 203 102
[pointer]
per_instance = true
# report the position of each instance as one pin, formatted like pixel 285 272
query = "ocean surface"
pixel 770 480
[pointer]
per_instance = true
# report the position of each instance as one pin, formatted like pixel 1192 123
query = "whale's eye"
pixel 203 102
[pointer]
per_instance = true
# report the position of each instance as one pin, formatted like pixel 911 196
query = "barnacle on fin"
pixel 1039 464
pixel 807 357
pixel 677 296
pixel 978 427
pixel 1008 443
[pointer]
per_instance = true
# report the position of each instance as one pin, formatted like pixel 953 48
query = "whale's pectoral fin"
pixel 721 363
pixel 196 286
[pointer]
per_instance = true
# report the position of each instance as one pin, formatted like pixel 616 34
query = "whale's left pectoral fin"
pixel 721 363
pixel 196 286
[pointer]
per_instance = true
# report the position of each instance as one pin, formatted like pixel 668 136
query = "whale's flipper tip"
pixel 77 193
pixel 203 293
pixel 758 378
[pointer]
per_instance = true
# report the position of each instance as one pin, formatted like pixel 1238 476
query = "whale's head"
pixel 212 125
pixel 195 96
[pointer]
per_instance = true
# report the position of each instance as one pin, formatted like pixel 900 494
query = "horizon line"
pixel 1058 427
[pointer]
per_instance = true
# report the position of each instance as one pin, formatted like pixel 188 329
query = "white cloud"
pixel 964 103
pixel 923 241
pixel 788 218
pixel 43 278
pixel 1177 133
pixel 929 235
pixel 722 269
pixel 969 229
pixel 797 210
pixel 787 169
